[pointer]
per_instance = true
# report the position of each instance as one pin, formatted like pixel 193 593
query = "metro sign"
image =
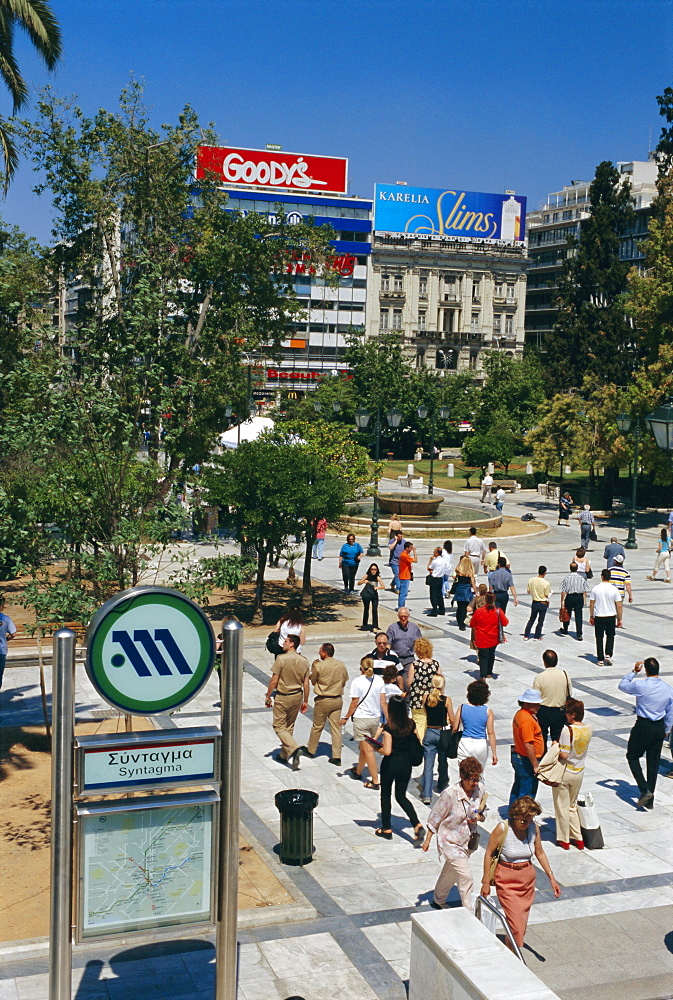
pixel 149 650
pixel 268 169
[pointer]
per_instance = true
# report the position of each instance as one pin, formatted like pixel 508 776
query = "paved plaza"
pixel 609 935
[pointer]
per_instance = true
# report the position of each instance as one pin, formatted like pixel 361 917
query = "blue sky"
pixel 521 94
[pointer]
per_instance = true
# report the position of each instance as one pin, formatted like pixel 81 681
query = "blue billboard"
pixel 466 215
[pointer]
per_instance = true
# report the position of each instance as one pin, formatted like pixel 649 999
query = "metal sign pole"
pixel 231 686
pixel 63 719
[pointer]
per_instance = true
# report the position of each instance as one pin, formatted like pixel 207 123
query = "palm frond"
pixel 9 153
pixel 38 21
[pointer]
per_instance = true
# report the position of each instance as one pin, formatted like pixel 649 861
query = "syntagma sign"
pixel 450 213
pixel 153 759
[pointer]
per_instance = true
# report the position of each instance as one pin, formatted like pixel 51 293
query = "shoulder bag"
pixel 495 857
pixel 501 629
pixel 272 644
pixel 416 753
pixel 551 770
pixel 450 741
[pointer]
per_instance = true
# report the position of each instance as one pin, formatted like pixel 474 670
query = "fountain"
pixel 422 515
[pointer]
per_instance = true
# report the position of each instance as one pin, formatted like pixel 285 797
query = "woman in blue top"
pixel 478 725
pixel 349 557
pixel 663 560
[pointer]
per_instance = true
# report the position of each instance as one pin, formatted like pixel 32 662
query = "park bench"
pixel 509 485
pixel 23 637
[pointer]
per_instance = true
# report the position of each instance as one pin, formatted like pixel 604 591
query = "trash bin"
pixel 296 806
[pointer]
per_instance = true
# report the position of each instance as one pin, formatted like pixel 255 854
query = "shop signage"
pixel 273 169
pixel 438 212
pixel 278 373
pixel 343 264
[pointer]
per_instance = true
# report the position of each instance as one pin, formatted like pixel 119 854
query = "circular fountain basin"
pixel 416 505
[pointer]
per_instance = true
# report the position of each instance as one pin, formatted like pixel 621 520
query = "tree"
pixel 592 334
pixel 179 290
pixel 37 20
pixel 275 487
pixel 494 446
pixel 335 445
pixel 511 395
pixel 650 295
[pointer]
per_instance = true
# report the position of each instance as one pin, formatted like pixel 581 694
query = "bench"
pixel 23 637
pixel 509 485
pixel 411 482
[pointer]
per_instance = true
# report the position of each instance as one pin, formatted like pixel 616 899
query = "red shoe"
pixel 579 844
pixel 562 843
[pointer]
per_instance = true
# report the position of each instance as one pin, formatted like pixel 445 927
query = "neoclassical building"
pixel 451 301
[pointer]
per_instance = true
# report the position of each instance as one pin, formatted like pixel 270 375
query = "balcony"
pixel 450 297
pixel 391 295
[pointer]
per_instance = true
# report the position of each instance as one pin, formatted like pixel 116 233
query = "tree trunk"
pixel 306 589
pixel 263 552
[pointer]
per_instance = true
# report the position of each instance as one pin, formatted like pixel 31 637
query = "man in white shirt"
pixel 486 486
pixel 605 614
pixel 476 550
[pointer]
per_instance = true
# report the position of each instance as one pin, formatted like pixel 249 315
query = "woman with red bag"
pixel 487 630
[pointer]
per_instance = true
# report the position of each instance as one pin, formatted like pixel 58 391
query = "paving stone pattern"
pixel 609 935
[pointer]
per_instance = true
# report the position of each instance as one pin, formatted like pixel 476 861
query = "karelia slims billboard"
pixel 466 215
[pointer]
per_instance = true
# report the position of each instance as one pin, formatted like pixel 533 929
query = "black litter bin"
pixel 296 806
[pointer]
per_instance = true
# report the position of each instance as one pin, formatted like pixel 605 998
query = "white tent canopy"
pixel 248 431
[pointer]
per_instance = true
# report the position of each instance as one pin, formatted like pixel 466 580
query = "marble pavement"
pixel 364 889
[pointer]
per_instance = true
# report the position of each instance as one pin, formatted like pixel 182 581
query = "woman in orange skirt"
pixel 516 843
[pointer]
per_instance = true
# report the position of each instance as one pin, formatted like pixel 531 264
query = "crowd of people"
pixel 402 718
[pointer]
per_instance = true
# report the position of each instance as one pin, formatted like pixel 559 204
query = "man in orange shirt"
pixel 528 745
pixel 407 558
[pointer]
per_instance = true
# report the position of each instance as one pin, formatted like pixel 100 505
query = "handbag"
pixel 590 574
pixel 428 580
pixel 563 615
pixel 495 857
pixel 473 842
pixel 501 629
pixel 452 740
pixel 593 536
pixel 550 769
pixel 272 644
pixel 415 750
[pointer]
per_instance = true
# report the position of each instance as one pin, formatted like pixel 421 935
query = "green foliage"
pixel 511 395
pixel 497 445
pixel 197 580
pixel 56 602
pixel 592 335
pixel 35 17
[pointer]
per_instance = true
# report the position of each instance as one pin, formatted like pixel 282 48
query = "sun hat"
pixel 531 697
pixel 619 558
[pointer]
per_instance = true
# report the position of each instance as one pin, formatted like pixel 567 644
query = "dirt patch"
pixel 25 806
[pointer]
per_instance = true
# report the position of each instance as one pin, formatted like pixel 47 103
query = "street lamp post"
pixel 362 417
pixel 444 414
pixel 624 421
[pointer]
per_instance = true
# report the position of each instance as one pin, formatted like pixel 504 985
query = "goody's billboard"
pixel 449 212
pixel 273 169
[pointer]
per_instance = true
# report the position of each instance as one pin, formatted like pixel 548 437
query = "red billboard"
pixel 271 169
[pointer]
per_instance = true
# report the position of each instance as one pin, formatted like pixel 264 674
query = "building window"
pixel 476 291
pixel 545 218
pixel 397 283
pixel 421 319
pixel 497 323
pixel 554 217
pixel 383 321
pixel 473 359
pixel 440 359
pixel 509 326
pixel 397 319
pixel 474 323
pixel 568 214
pixel 448 321
pixel 385 282
pixel 423 284
pixel 510 291
pixel 498 291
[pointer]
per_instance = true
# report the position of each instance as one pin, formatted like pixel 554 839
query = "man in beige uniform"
pixel 328 677
pixel 290 682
